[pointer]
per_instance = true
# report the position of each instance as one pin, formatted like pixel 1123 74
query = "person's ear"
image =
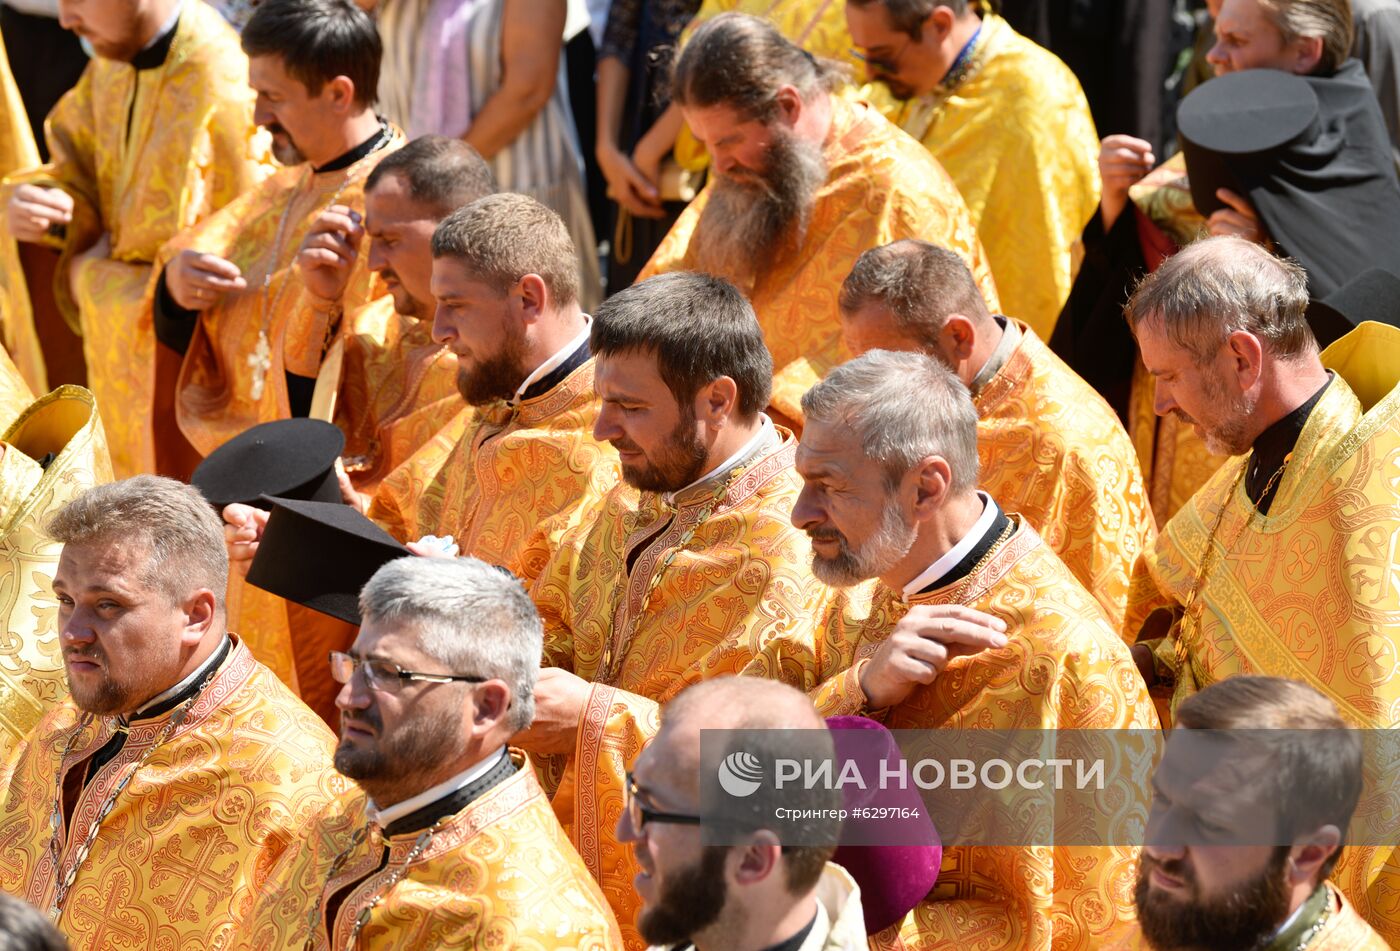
pixel 533 296
pixel 933 479
pixel 717 402
pixel 1309 853
pixel 340 93
pixel 1308 52
pixel 959 337
pixel 201 611
pixel 491 706
pixel 939 22
pixel 755 860
pixel 789 101
pixel 1246 353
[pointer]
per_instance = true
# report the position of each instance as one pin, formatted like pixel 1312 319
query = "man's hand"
pixel 101 250
pixel 243 529
pixel 920 647
pixel 329 251
pixel 198 281
pixel 1238 219
pixel 627 185
pixel 35 208
pixel 559 701
pixel 1123 162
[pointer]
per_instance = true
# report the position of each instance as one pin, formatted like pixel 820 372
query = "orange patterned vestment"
pixel 31 664
pixel 192 838
pixel 234 372
pixel 881 186
pixel 1054 452
pixel 1016 136
pixel 15 395
pixel 144 154
pixel 648 598
pixel 507 480
pixel 500 873
pixel 1063 668
pixel 1310 591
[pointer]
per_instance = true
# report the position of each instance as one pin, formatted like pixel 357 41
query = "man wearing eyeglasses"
pixel 447 839
pixel 1009 123
pixel 752 891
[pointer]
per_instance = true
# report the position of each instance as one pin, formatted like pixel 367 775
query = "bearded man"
pixel 802 182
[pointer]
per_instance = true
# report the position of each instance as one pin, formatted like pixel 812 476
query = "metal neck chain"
pixel 64 882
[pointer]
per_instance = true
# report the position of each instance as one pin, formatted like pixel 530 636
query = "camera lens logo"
pixel 740 774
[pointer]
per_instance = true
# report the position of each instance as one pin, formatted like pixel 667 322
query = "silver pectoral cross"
pixel 260 361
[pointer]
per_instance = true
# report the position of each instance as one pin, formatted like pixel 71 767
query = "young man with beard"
pixel 145 810
pixel 1283 563
pixel 1049 447
pixel 801 183
pixel 889 465
pixel 700 575
pixel 1248 820
pixel 447 839
pixel 167 90
pixel 754 893
pixel 228 296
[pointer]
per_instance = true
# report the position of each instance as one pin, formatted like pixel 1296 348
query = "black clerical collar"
pixel 345 160
pixel 559 374
pixel 1272 448
pixel 453 802
pixel 969 561
pixel 154 55
pixel 188 687
pixel 791 944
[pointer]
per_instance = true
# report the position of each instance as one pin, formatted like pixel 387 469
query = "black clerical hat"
pixel 287 458
pixel 1371 295
pixel 320 554
pixel 1233 127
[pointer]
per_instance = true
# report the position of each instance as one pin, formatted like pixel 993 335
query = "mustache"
pixel 369 717
pixel 92 653
pixel 825 535
pixel 1176 868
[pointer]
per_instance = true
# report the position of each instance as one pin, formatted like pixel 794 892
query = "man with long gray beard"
pixel 802 182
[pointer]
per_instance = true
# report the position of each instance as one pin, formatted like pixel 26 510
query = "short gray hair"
pixel 179 530
pixel 472 617
pixel 1222 285
pixel 905 407
pixel 919 283
pixel 1327 20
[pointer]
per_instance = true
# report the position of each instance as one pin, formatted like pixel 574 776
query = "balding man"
pixel 753 892
pixel 1050 448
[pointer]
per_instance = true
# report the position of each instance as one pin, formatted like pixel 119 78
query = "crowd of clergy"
pixel 421 419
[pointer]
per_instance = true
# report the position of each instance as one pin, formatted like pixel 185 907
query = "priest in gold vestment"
pixel 697 541
pixel 1049 448
pixel 157 135
pixel 1283 564
pixel 446 839
pixel 1010 124
pixel 974 624
pixel 803 182
pixel 146 810
pixel 226 293
pixel 64 423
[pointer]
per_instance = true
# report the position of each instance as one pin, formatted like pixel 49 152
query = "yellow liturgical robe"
pixel 145 154
pixel 1065 668
pixel 15 394
pixel 1054 452
pixel 202 808
pixel 234 372
pixel 648 597
pixel 1310 591
pixel 881 186
pixel 64 423
pixel 505 481
pixel 1015 134
pixel 498 873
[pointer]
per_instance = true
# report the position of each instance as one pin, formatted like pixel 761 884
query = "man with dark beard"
pixel 144 810
pixel 801 183
pixel 701 575
pixel 754 892
pixel 1248 820
pixel 447 839
pixel 974 624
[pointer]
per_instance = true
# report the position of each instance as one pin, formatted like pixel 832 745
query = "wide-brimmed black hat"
pixel 1372 295
pixel 320 554
pixel 286 458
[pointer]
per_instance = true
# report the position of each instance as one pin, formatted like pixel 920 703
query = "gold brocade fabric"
pixel 191 148
pixel 499 874
pixel 818 26
pixel 1063 668
pixel 735 597
pixel 1311 591
pixel 397 389
pixel 1016 136
pixel 1344 930
pixel 505 483
pixel 17 151
pixel 187 847
pixel 15 394
pixel 1173 458
pixel 31 665
pixel 881 186
pixel 17 148
pixel 215 396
